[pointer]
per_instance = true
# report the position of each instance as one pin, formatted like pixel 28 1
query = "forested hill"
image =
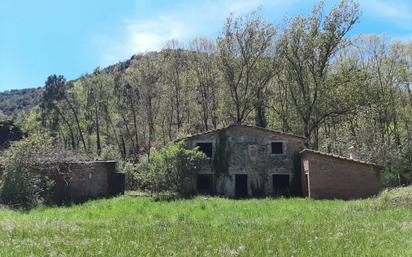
pixel 16 100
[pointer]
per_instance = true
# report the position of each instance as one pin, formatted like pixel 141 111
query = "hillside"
pixel 143 226
pixel 17 100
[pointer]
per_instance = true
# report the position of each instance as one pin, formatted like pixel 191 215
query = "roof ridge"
pixel 241 125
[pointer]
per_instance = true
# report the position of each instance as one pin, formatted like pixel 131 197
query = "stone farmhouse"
pixel 249 161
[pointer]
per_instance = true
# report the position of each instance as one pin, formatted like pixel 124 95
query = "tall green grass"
pixel 141 226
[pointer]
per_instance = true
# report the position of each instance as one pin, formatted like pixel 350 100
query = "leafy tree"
pixel 308 46
pixel 244 49
pixel 203 63
pixel 53 93
pixel 146 75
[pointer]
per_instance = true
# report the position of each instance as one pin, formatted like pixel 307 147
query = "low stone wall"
pixel 330 177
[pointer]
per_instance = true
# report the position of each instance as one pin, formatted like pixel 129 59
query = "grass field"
pixel 141 226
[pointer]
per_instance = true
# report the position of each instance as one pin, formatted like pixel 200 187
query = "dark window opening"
pixel 241 185
pixel 206 148
pixel 280 183
pixel 204 183
pixel 277 147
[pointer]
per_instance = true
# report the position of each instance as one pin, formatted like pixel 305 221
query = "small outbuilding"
pixel 249 161
pixel 329 176
pixel 81 181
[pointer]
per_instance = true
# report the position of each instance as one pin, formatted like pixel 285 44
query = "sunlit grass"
pixel 141 226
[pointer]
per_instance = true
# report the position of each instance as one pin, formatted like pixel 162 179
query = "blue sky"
pixel 72 37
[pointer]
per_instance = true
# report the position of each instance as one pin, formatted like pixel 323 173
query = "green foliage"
pixel 171 169
pixel 22 185
pixel 9 132
pixel 19 100
pixel 109 153
pixel 28 167
pixel 398 172
pixel 221 158
pixel 134 181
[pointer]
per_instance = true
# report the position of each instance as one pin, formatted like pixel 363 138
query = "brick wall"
pixel 331 177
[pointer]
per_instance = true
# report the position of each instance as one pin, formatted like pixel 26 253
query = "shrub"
pixel 170 169
pixel 24 183
pixel 133 178
pixel 397 173
pixel 109 152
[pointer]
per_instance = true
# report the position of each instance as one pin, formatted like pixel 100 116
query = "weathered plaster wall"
pixel 330 177
pixel 234 158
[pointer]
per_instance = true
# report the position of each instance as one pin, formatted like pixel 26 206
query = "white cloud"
pixel 152 34
pixel 206 17
pixel 203 18
pixel 398 12
pixel 141 36
pixel 249 5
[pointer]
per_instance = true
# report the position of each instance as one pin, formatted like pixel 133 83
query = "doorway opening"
pixel 280 184
pixel 241 185
pixel 204 183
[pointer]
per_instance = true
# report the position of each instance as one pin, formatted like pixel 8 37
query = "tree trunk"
pixel 73 143
pixel 77 122
pixel 261 117
pixel 98 145
pixel 136 135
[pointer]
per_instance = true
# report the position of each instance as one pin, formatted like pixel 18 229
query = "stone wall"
pixel 77 182
pixel 247 150
pixel 328 177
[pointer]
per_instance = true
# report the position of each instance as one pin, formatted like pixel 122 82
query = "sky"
pixel 73 37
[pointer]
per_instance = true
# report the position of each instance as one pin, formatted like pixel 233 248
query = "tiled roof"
pixel 340 157
pixel 242 126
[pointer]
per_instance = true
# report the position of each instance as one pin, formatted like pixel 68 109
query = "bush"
pixel 398 172
pixel 109 152
pixel 23 183
pixel 133 178
pixel 170 169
